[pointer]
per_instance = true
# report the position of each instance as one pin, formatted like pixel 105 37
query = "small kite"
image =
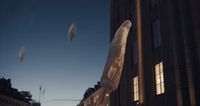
pixel 22 53
pixel 72 31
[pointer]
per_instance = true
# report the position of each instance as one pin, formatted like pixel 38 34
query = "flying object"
pixel 22 54
pixel 72 31
pixel 114 64
pixel 115 60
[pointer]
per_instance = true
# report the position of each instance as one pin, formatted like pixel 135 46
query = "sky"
pixel 64 69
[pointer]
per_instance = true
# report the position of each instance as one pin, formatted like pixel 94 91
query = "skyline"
pixel 64 69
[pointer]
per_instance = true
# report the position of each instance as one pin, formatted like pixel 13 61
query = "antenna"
pixel 41 92
pixel 40 88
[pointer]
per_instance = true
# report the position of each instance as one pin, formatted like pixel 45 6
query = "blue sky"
pixel 64 69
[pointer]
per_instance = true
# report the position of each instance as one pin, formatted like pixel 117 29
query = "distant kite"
pixel 22 53
pixel 72 31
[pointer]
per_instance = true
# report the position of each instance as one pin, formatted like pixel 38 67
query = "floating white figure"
pixel 72 31
pixel 114 64
pixel 22 53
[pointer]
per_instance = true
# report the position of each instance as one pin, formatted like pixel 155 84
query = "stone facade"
pixel 166 31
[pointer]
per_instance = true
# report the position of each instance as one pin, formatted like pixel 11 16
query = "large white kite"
pixel 72 31
pixel 114 64
pixel 22 54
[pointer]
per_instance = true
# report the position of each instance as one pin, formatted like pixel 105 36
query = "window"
pixel 159 78
pixel 95 98
pixel 153 3
pixel 156 33
pixel 135 88
pixel 135 54
pixel 89 101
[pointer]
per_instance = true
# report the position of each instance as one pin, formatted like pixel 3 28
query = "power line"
pixel 64 100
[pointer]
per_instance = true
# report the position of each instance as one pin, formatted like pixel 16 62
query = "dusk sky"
pixel 64 69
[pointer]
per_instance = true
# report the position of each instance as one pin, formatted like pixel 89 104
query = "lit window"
pixel 95 98
pixel 159 78
pixel 156 33
pixel 135 88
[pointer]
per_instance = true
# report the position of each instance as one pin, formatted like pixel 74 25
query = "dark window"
pixel 135 54
pixel 156 33
pixel 153 3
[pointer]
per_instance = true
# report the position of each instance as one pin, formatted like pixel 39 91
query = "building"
pixel 162 61
pixel 35 103
pixel 91 95
pixel 12 97
pixel 28 96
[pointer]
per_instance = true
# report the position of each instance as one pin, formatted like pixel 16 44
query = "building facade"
pixel 12 97
pixel 162 61
pixel 34 103
pixel 91 99
pixel 9 101
pixel 91 96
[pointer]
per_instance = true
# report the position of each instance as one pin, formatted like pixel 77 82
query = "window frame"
pixel 156 33
pixel 159 80
pixel 135 88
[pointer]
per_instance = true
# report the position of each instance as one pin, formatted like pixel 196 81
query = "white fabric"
pixel 72 31
pixel 115 60
pixel 22 53
pixel 114 64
